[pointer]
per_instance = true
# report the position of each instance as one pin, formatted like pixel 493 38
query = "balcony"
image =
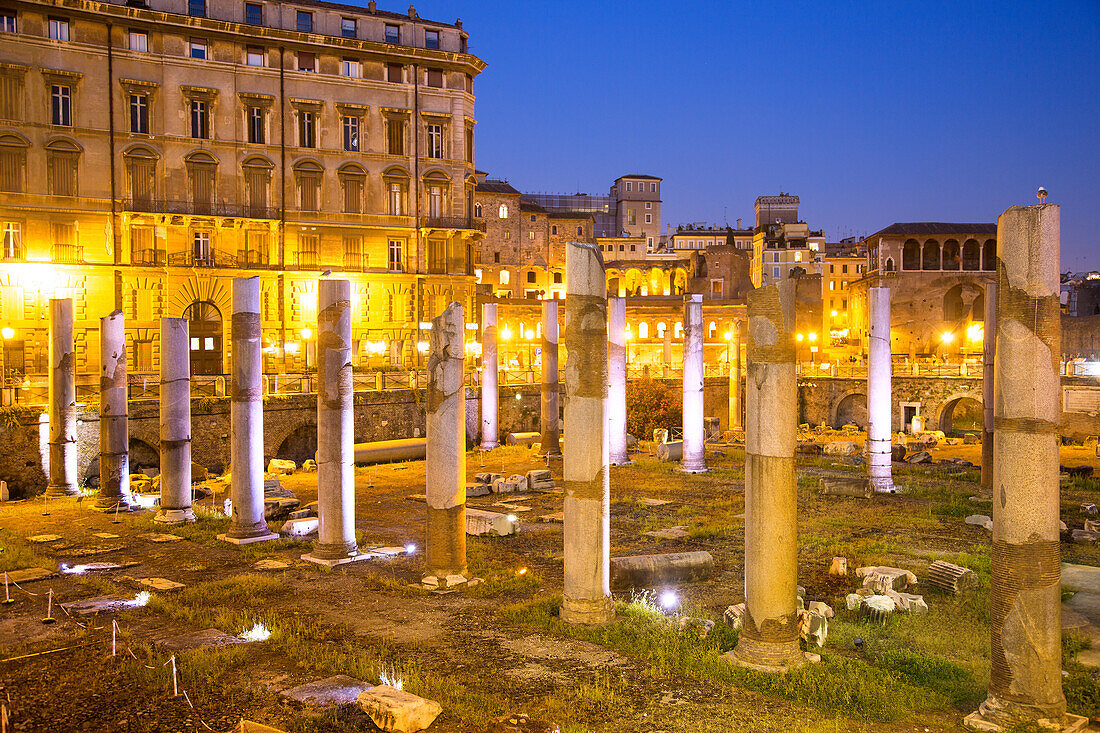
pixel 193 208
pixel 67 254
pixel 202 259
pixel 153 257
pixel 454 222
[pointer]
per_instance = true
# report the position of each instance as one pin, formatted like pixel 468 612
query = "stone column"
pixel 175 422
pixel 335 427
pixel 879 392
pixel 666 351
pixel 63 480
pixel 694 460
pixel 114 434
pixel 489 430
pixel 587 588
pixel 551 437
pixel 246 415
pixel 989 349
pixel 1025 681
pixel 769 637
pixel 445 487
pixel 735 379
pixel 616 382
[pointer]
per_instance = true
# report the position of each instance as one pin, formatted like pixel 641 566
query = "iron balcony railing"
pixel 454 222
pixel 200 208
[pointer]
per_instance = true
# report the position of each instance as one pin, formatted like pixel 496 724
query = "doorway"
pixel 206 338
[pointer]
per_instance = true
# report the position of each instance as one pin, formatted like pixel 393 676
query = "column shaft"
pixel 335 424
pixel 551 408
pixel 587 588
pixel 175 422
pixel 62 395
pixel 489 430
pixel 879 392
pixel 616 382
pixel 114 434
pixel 989 349
pixel 694 460
pixel 445 487
pixel 735 380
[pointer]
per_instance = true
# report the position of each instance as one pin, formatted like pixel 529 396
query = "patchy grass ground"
pixel 500 647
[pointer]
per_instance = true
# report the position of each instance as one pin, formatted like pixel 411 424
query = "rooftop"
pixel 915 228
pixel 643 176
pixel 492 186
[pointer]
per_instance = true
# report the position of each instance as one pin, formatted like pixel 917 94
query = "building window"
pixel 13 241
pixel 580 231
pixel 11 97
pixel 435 141
pixel 395 135
pixel 477 209
pixel 553 229
pixel 631 215
pixel 202 175
pixel 502 212
pixel 431 39
pixel 393 33
pixel 307 249
pixel 628 185
pixel 305 22
pixel 353 192
pixel 200 123
pixel 469 144
pixel 832 285
pixel 348 27
pixel 307 130
pixel 395 73
pixel 504 278
pixel 256 125
pixel 7 21
pixel 196 8
pixel 307 62
pixel 351 134
pixel 142 167
pixel 257 175
pixel 200 247
pixel 435 78
pixel 139 41
pixel 507 235
pixel 61 105
pixel 59 29
pixel 61 169
pixel 775 272
pixel 350 68
pixel 309 189
pixel 65 248
pixel 649 218
pixel 396 256
pixel 254 13
pixel 254 56
pixel 397 197
pixel 197 49
pixel 139 113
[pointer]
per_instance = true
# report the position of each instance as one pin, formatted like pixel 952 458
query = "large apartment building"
pixel 781 242
pixel 151 151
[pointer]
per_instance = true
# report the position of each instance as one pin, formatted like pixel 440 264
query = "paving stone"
pixel 105 536
pixel 269 564
pixel 338 690
pixel 100 604
pixel 479 522
pixel 672 533
pixel 513 507
pixel 29 575
pixel 159 537
pixel 655 502
pixel 44 538
pixel 161 584
pixel 558 517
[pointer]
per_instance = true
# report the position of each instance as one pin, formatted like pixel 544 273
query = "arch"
pixel 661 328
pixel 396 171
pixel 140 151
pixel 437 174
pixel 308 165
pixel 643 330
pixel 952 255
pixel 849 409
pixel 930 255
pixel 678 281
pixel 257 161
pixel 298 444
pixel 712 330
pixel 971 255
pixel 961 412
pixel 205 324
pixel 989 254
pixel 910 255
pixel 502 211
pixel 351 169
pixel 14 140
pixel 200 157
pixel 889 264
pixel 477 209
pixel 64 145
pixel 677 329
pixel 141 454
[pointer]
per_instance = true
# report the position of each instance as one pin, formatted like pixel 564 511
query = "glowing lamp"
pixel 7 332
pixel 798 337
pixel 306 333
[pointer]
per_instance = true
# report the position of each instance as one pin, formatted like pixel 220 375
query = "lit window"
pixel 351 134
pixel 305 22
pixel 59 29
pixel 254 56
pixel 396 258
pixel 503 277
pixel 502 212
pixel 435 141
pixel 201 246
pixel 197 49
pixel 139 41
pixel 348 27
pixel 431 39
pixel 13 240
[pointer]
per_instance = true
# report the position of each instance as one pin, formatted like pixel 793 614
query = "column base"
pixel 995 715
pixel 247 540
pixel 175 516
pixel 109 504
pixel 692 468
pixel 620 461
pixel 588 613
pixel 884 486
pixel 331 562
pixel 490 446
pixel 60 491
pixel 769 656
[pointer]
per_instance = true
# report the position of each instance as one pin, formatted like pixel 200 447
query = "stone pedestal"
pixel 1025 681
pixel 335 428
pixel 445 486
pixel 735 379
pixel 175 422
pixel 114 434
pixel 551 409
pixel 246 415
pixel 879 395
pixel 769 638
pixel 587 526
pixel 616 382
pixel 62 396
pixel 490 433
pixel 989 349
pixel 694 460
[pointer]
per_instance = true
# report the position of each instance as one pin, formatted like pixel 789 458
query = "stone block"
pixel 301 514
pixel 820 608
pixel 881 578
pixel 519 481
pixel 813 628
pixel 398 711
pixel 853 601
pixel 980 520
pixel 920 457
pixel 808 448
pixel 1090 508
pixel 734 616
pixel 274 489
pixel 487 478
pixel 160 537
pixel 475 490
pixel 480 522
pixel 672 533
pixel 309 466
pixel 280 467
pixel 523 723
pixel 300 527
pixel 540 480
pixel 897 453
pixel 951 578
pixel 971 439
pixel 839 566
pixel 29 575
pixel 280 507
pixel 877 609
pixel 42 539
pixel 1085 537
pixel 841 448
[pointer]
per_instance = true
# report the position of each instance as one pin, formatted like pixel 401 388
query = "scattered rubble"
pixel 980 520
pixel 398 711
pixel 951 578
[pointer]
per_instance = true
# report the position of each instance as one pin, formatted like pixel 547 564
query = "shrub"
pixel 651 405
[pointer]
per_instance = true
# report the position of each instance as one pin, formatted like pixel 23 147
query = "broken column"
pixel 616 382
pixel 246 414
pixel 735 379
pixel 62 395
pixel 175 422
pixel 587 525
pixel 879 395
pixel 114 434
pixel 335 427
pixel 769 639
pixel 445 488
pixel 989 348
pixel 1025 681
pixel 551 438
pixel 694 460
pixel 489 432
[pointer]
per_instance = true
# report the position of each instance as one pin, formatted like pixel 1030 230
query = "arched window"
pixel 202 170
pixel 477 209
pixel 308 175
pixel 502 212
pixel 889 264
pixel 989 254
pixel 972 255
pixel 353 183
pixel 396 180
pixel 257 181
pixel 930 259
pixel 712 330
pixel 13 164
pixel 141 167
pixel 677 329
pixel 62 160
pixel 436 185
pixel 643 330
pixel 910 255
pixel 661 328
pixel 952 255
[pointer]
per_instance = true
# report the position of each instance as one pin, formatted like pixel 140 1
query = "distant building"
pixel 842 263
pixel 636 199
pixel 782 245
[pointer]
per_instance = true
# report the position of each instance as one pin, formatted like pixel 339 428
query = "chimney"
pixel 372 7
pixel 412 12
pixel 738 223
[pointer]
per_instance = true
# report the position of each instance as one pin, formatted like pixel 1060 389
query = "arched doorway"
pixel 852 410
pixel 961 415
pixel 300 445
pixel 206 337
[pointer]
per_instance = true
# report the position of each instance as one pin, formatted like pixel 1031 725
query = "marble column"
pixel 1025 681
pixel 769 637
pixel 62 395
pixel 735 379
pixel 246 416
pixel 616 382
pixel 175 422
pixel 989 348
pixel 666 351
pixel 879 392
pixel 551 409
pixel 114 434
pixel 694 460
pixel 489 431
pixel 335 427
pixel 587 526
pixel 445 486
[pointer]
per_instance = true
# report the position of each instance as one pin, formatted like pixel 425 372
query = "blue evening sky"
pixel 871 112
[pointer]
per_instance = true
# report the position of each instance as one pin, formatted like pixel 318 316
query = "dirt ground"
pixel 499 648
